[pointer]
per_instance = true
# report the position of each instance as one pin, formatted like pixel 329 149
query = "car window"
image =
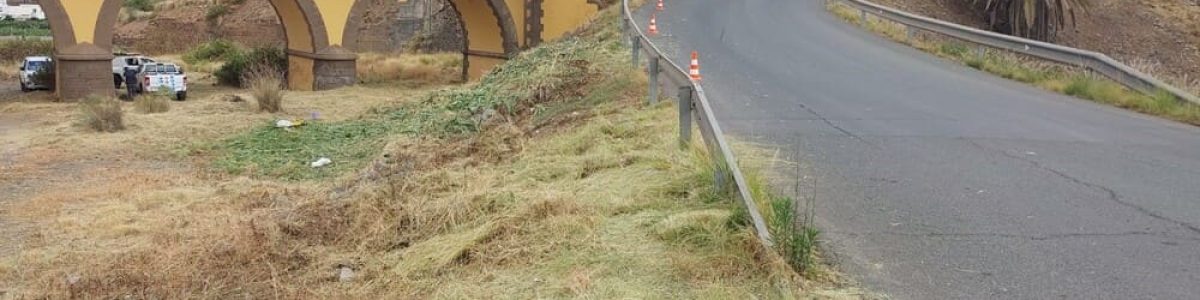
pixel 131 61
pixel 170 69
pixel 36 65
pixel 147 60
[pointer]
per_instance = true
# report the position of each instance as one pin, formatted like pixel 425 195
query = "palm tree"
pixel 1036 19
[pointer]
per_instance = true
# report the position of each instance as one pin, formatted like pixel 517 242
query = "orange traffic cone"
pixel 695 69
pixel 654 24
pixel 660 6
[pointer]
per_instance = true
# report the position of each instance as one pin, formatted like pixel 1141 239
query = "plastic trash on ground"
pixel 324 161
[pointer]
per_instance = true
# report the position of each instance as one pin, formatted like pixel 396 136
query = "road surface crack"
pixel 831 124
pixel 1112 194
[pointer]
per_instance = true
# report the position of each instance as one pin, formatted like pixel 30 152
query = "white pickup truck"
pixel 164 78
pixel 122 61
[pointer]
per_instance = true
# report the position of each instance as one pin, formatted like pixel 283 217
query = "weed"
pixel 266 85
pixel 795 236
pixel 152 103
pixel 102 114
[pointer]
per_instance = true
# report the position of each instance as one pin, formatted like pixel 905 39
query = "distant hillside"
pixel 177 25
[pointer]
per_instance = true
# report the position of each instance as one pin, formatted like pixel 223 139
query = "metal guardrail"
pixel 693 105
pixel 1090 60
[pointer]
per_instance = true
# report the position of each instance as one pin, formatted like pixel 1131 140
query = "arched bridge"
pixel 321 37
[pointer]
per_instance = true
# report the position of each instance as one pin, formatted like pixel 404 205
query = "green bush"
pixel 219 49
pixel 10 27
pixel 215 12
pixel 236 65
pixel 102 114
pixel 142 5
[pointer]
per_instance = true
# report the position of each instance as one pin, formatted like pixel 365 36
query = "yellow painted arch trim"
pixel 84 15
pixel 335 13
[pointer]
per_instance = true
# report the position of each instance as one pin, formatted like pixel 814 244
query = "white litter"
pixel 322 162
pixel 284 124
pixel 345 274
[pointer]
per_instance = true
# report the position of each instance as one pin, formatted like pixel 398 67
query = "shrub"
pixel 266 84
pixel 1036 19
pixel 102 114
pixel 219 49
pixel 235 69
pixel 215 12
pixel 142 5
pixel 152 103
pixel 16 50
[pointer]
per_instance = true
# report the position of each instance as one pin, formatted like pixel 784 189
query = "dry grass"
pixel 266 85
pixel 152 104
pixel 409 68
pixel 101 114
pixel 595 201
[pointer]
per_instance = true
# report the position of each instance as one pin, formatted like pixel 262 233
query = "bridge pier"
pixel 321 71
pixel 83 70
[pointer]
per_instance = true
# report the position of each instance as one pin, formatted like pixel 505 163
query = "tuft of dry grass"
pixel 266 85
pixel 152 104
pixel 102 114
pixel 410 68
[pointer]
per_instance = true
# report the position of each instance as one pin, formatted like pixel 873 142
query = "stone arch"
pixel 490 34
pixel 321 37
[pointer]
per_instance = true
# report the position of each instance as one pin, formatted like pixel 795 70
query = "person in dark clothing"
pixel 131 82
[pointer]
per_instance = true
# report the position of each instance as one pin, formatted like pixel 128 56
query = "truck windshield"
pixel 36 65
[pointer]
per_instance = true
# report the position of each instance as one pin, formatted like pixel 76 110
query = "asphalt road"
pixel 936 181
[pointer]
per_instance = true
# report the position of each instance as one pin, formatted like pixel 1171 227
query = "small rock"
pixel 345 274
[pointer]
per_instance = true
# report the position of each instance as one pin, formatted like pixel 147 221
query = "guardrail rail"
pixel 693 106
pixel 1089 60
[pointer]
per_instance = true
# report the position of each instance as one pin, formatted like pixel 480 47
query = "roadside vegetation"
pixel 548 178
pixel 13 27
pixel 12 52
pixel 1053 77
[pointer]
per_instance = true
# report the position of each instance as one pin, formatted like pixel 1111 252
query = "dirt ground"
pixel 47 159
pixel 1158 36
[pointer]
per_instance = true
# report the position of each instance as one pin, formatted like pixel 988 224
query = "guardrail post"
pixel 625 26
pixel 653 83
pixel 862 17
pixel 637 48
pixel 980 52
pixel 911 33
pixel 685 117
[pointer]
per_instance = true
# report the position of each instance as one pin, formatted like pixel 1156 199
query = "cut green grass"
pixel 1053 77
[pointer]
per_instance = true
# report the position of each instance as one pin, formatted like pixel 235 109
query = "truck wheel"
pixel 24 88
pixel 117 81
pixel 181 96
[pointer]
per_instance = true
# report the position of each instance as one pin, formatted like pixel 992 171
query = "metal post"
pixel 685 117
pixel 637 48
pixel 625 26
pixel 653 79
pixel 862 17
pixel 719 173
pixel 980 51
pixel 912 33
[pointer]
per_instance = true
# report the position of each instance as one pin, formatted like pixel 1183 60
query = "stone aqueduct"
pixel 321 37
